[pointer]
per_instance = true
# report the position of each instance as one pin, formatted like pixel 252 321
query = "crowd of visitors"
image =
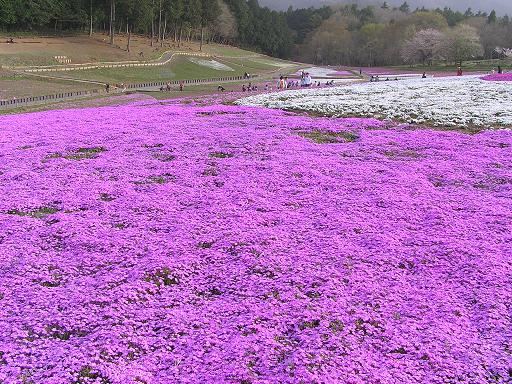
pixel 119 86
pixel 376 79
pixel 284 82
pixel 168 87
pixel 305 79
pixel 249 87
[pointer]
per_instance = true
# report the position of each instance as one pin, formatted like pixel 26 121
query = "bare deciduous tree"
pixel 225 27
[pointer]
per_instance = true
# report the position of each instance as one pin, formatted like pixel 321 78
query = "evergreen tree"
pixel 405 8
pixel 210 10
pixel 492 17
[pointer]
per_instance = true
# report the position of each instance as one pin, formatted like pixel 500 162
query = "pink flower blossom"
pixel 499 77
pixel 159 242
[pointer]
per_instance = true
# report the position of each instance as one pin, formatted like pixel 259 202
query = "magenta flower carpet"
pixel 167 243
pixel 499 77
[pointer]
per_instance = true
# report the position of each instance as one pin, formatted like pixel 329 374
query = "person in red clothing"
pixel 459 71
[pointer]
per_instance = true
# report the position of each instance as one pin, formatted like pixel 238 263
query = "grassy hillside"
pixel 30 51
pixel 180 68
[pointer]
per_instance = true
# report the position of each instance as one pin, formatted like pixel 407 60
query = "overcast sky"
pixel 501 6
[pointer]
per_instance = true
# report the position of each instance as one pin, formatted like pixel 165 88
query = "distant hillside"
pixel 501 6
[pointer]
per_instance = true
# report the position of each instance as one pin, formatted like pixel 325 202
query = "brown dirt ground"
pixel 80 49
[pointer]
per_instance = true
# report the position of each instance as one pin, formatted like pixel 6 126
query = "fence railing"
pixel 191 81
pixel 24 101
pixel 18 102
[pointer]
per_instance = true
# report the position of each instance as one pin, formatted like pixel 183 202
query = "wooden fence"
pixel 24 101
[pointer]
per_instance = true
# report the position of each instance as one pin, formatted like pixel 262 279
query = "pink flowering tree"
pixel 425 47
pixel 503 52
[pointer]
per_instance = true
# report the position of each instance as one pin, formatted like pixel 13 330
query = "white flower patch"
pixel 344 81
pixel 452 101
pixel 319 72
pixel 213 64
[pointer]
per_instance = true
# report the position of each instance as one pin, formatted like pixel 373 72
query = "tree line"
pixel 383 35
pixel 349 34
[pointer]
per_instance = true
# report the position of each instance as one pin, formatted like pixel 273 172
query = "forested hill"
pixel 238 22
pixel 372 35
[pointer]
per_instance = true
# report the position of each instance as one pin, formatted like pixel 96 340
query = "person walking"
pixel 281 84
